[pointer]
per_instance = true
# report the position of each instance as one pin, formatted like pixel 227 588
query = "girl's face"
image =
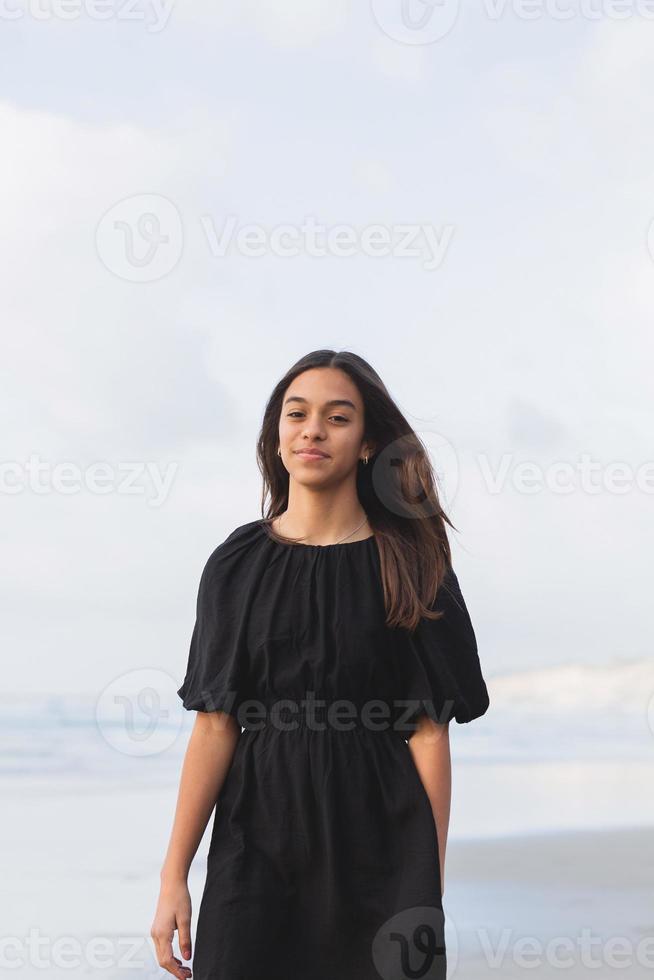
pixel 322 410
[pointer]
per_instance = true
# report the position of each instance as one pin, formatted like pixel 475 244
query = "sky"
pixel 195 195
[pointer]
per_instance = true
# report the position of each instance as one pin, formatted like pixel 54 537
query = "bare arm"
pixel 430 748
pixel 206 763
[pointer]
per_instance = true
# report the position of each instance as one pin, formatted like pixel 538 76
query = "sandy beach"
pixel 550 855
pixel 573 903
pixel 90 880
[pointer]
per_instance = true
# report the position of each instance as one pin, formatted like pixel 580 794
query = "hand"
pixel 173 912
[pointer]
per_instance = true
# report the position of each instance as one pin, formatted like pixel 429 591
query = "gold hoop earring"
pixel 365 460
pixel 279 452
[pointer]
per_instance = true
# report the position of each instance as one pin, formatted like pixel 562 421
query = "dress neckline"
pixel 316 547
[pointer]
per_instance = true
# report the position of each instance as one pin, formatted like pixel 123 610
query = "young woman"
pixel 334 632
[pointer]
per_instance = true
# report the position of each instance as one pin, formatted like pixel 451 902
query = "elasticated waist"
pixel 307 714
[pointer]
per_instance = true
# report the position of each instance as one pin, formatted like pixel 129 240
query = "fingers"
pixel 164 949
pixel 177 968
pixel 184 935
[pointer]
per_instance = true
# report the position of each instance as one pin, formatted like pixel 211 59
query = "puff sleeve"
pixel 445 671
pixel 215 672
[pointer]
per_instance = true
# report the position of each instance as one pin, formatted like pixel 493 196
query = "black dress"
pixel 323 862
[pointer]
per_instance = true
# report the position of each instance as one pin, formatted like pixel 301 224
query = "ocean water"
pixel 560 747
pixel 90 786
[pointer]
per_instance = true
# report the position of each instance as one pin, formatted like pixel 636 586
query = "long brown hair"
pixel 397 490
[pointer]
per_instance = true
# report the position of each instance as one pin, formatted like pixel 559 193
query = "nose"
pixel 313 430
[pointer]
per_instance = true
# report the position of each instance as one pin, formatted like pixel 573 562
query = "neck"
pixel 323 518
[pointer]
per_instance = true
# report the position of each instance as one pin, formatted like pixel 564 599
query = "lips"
pixel 316 454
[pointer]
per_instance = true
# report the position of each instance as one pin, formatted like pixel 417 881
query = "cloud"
pixel 374 175
pixel 400 62
pixel 108 365
pixel 591 118
pixel 283 23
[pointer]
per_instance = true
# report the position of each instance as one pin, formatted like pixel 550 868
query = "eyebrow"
pixel 329 404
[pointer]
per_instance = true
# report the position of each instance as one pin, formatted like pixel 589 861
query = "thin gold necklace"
pixel 346 536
